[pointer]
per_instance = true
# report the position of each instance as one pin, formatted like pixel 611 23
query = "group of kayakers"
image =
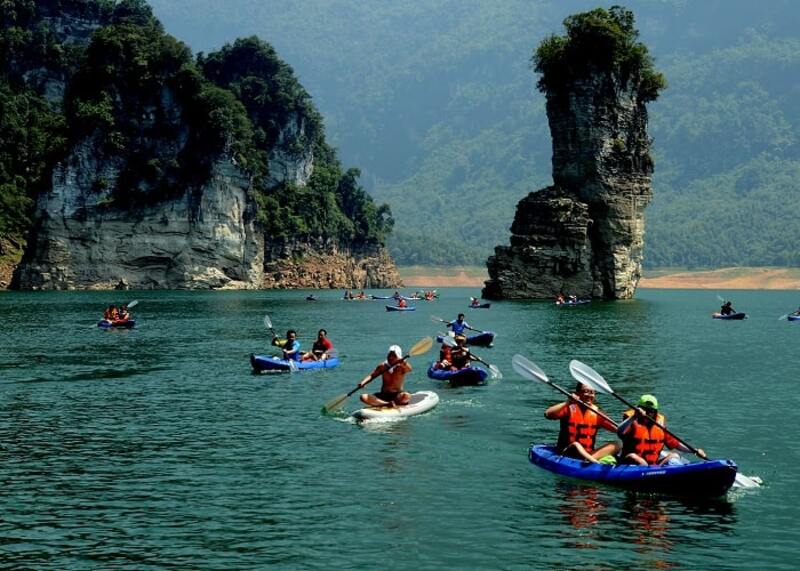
pixel 321 349
pixel 562 298
pixel 114 314
pixel 349 295
pixel 641 434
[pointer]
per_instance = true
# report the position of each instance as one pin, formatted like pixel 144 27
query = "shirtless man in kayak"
pixel 393 372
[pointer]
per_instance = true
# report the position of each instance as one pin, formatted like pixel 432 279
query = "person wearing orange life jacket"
pixel 401 303
pixel 579 425
pixel 445 357
pixel 643 441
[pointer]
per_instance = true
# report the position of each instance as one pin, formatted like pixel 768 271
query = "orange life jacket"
pixel 646 441
pixel 580 425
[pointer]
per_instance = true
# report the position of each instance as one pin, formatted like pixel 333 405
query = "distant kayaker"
pixel 474 301
pixel 445 357
pixel 122 314
pixel 393 372
pixel 458 325
pixel 111 313
pixel 401 303
pixel 320 349
pixel 726 308
pixel 579 425
pixel 290 347
pixel 643 441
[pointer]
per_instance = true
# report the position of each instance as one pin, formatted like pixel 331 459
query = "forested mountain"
pixel 436 101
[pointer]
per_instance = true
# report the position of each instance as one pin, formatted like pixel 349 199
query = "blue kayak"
pixel 480 306
pixel 465 376
pixel 793 317
pixel 735 316
pixel 396 308
pixel 261 363
pixel 126 324
pixel 483 339
pixel 710 478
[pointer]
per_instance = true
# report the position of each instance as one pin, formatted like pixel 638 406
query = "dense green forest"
pixel 436 101
pixel 144 103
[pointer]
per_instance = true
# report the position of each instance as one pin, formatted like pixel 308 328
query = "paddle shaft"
pixel 691 448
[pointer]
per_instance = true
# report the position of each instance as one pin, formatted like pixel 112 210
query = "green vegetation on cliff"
pixel 157 119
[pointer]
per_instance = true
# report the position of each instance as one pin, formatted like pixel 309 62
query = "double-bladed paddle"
pixel 496 374
pixel 440 320
pixel 422 346
pixel 530 370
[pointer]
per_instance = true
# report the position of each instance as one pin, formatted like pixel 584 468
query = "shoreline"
pixel 766 278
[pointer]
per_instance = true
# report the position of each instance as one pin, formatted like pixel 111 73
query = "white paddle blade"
pixel 293 366
pixel 495 372
pixel 449 341
pixel 437 319
pixel 782 317
pixel 134 303
pixel 743 481
pixel 588 376
pixel 720 298
pixel 267 322
pixel 528 369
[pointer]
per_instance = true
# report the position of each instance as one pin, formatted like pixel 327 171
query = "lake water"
pixel 157 448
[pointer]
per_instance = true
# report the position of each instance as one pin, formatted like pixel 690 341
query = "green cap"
pixel 648 401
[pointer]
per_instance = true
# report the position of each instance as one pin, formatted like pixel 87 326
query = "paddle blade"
pixel 134 303
pixel 334 404
pixel 449 341
pixel 437 319
pixel 743 481
pixel 782 317
pixel 588 376
pixel 495 372
pixel 293 366
pixel 528 369
pixel 267 322
pixel 719 297
pixel 422 346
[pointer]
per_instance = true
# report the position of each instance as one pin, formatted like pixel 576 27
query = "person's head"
pixel 649 404
pixel 461 317
pixel 728 304
pixel 585 392
pixel 395 354
pixel 461 339
pixel 322 333
pixel 291 335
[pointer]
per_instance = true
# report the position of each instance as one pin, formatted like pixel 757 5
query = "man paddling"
pixel 727 309
pixel 290 347
pixel 643 441
pixel 393 372
pixel 579 424
pixel 320 349
pixel 458 325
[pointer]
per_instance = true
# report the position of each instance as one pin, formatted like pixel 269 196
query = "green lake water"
pixel 156 448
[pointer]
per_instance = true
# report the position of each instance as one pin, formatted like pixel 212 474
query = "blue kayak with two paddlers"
pixel 709 478
pixel 262 363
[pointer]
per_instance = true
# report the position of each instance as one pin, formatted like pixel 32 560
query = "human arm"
pixel 557 410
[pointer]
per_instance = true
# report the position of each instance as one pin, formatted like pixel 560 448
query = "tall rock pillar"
pixel 585 234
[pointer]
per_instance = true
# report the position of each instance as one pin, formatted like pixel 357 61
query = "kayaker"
pixel 401 302
pixel 474 302
pixel 110 314
pixel 458 325
pixel 460 356
pixel 393 372
pixel 579 425
pixel 726 309
pixel 290 347
pixel 122 314
pixel 320 349
pixel 643 441
pixel 362 295
pixel 445 357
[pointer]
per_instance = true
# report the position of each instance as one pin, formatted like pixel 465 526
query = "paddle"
pixel 530 370
pixel 496 374
pixel 422 346
pixel 134 303
pixel 440 320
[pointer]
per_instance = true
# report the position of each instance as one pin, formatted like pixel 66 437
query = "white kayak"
pixel 420 402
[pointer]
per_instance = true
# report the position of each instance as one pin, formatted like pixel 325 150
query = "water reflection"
pixel 582 507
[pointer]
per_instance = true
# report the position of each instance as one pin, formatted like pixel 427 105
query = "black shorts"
pixel 386 396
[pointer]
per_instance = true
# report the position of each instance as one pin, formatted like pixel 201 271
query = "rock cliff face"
pixel 585 234
pixel 144 201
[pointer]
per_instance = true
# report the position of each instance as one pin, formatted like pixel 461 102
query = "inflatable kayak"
pixel 395 308
pixel 483 339
pixel 465 376
pixel 261 363
pixel 311 298
pixel 710 478
pixel 125 323
pixel 480 306
pixel 573 303
pixel 420 402
pixel 738 315
pixel 793 317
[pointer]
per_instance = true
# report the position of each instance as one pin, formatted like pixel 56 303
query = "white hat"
pixel 396 350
